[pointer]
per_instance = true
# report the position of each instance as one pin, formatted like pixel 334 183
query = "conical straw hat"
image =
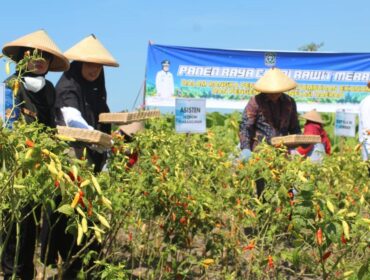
pixel 274 81
pixel 38 40
pixel 91 50
pixel 313 116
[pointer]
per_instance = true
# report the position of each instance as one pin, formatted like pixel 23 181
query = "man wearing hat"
pixel 270 113
pixel 164 81
pixel 35 98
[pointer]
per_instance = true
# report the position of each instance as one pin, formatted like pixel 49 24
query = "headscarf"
pixel 73 90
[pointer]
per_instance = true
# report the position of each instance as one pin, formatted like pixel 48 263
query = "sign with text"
pixel 225 78
pixel 345 124
pixel 190 115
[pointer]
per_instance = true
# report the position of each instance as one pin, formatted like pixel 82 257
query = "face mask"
pixel 34 84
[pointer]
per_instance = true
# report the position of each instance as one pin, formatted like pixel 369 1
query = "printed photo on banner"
pixel 164 81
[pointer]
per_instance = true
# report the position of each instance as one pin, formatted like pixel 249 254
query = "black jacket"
pixel 90 98
pixel 37 106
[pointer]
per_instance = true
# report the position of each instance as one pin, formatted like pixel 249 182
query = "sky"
pixel 125 28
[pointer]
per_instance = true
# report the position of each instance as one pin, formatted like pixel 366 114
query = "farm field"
pixel 188 209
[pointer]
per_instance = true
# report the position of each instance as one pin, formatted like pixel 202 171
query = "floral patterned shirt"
pixel 263 118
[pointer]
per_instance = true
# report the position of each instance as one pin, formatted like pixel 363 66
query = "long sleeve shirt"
pixel 312 128
pixel 263 118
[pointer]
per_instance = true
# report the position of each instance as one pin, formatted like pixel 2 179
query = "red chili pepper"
pixel 56 184
pixel 319 236
pixel 132 160
pixel 70 174
pixel 270 262
pixel 130 236
pixel 29 143
pixel 250 246
pixel 183 220
pixel 326 255
pixel 343 239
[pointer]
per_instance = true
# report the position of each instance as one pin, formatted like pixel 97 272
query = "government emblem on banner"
pixel 270 59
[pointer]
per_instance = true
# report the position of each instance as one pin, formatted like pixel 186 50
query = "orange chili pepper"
pixel 250 246
pixel 89 209
pixel 319 236
pixel 29 143
pixel 75 200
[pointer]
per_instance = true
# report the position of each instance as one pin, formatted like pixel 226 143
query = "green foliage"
pixel 188 209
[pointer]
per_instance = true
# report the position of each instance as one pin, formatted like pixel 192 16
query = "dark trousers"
pixel 55 239
pixel 260 186
pixel 24 268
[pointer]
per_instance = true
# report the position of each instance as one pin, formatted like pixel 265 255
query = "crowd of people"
pixel 80 96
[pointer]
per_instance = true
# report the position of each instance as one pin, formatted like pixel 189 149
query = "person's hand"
pixel 245 155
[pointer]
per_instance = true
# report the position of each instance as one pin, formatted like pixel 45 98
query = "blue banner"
pixel 225 78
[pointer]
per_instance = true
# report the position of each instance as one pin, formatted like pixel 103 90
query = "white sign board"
pixel 190 115
pixel 345 124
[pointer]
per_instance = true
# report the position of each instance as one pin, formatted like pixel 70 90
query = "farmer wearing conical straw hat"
pixel 81 97
pixel 270 113
pixel 314 126
pixel 36 54
pixel 81 92
pixel 35 94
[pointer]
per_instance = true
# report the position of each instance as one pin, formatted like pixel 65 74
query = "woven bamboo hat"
pixel 91 50
pixel 313 116
pixel 38 40
pixel 274 81
pixel 132 128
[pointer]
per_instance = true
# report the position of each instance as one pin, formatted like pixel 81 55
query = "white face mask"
pixel 34 84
